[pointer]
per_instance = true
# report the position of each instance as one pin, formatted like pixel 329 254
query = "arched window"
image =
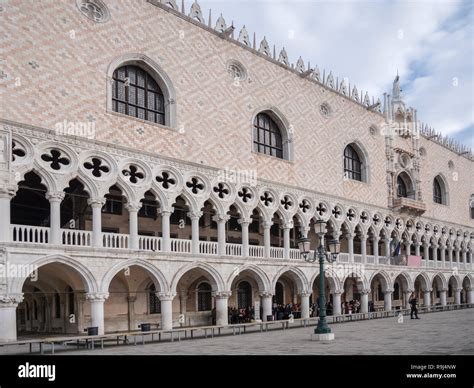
pixel 244 295
pixel 204 297
pixel 437 194
pixel 353 166
pixel 154 304
pixel 135 93
pixel 440 193
pixel 405 188
pixel 267 138
pixel 401 188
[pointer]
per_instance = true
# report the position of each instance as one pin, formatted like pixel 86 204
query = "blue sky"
pixel 430 43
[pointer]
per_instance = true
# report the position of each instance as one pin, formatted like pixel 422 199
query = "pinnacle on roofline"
pixel 343 87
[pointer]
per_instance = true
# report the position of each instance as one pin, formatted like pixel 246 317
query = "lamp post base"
pixel 322 337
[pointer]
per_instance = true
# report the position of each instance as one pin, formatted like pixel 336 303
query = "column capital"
pixel 266 294
pixel 194 215
pixel 133 206
pixel 350 235
pixel 267 224
pixel 375 237
pixel 388 291
pixel 223 294
pixel 131 299
pixel 165 212
pixel 338 291
pixel 244 220
pixel 427 289
pixel 458 289
pixel 55 196
pixel 365 291
pixel 417 244
pixel 221 218
pixel 287 225
pixel 97 296
pixel 306 294
pixel 443 290
pixel 10 300
pixel 8 191
pixel 166 296
pixel 96 202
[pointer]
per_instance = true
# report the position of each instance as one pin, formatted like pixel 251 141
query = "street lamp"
pixel 321 254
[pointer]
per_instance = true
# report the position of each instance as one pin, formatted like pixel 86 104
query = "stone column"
pixel 165 230
pixel 244 224
pixel 387 247
pixel 408 248
pixel 8 305
pixel 55 198
pixel 222 312
pixel 364 301
pixel 183 300
pixel 305 304
pixel 6 194
pixel 195 216
pixel 442 296
pixel 470 295
pixel 96 205
pixel 166 301
pixel 287 226
pixel 457 295
pixel 304 231
pixel 221 219
pixel 427 297
pixel 336 302
pixel 266 304
pixel 266 238
pixel 435 252
pixel 133 224
pixel 97 301
pixel 457 254
pixel 417 248
pixel 363 247
pixel 464 255
pixel 387 299
pixel 350 246
pixel 406 300
pixel 375 242
pixel 426 252
pixel 442 253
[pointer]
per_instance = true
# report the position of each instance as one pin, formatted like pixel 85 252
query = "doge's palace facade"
pixel 159 167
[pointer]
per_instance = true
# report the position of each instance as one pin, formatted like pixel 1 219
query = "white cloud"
pixel 429 42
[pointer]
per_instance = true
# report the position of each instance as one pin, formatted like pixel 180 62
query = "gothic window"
pixel 439 191
pixel 401 188
pixel 352 164
pixel 244 295
pixel 267 138
pixel 154 304
pixel 204 297
pixel 149 207
pixel 136 93
pixel 437 195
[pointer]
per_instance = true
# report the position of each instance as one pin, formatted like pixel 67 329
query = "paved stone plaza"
pixel 444 333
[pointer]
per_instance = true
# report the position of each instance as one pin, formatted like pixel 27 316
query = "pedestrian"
pixel 413 302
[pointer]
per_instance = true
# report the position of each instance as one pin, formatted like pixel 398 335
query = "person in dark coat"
pixel 413 302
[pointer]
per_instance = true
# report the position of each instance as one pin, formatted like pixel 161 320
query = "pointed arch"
pixel 296 274
pixel 88 278
pixel 158 278
pixel 264 283
pixel 216 280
